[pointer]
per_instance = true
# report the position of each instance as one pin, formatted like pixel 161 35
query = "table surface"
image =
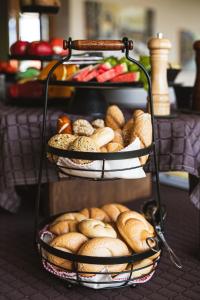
pixel 177 140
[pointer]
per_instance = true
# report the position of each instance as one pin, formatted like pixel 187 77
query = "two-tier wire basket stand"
pixel 152 209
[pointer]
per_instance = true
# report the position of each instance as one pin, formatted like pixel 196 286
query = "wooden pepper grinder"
pixel 159 50
pixel 196 90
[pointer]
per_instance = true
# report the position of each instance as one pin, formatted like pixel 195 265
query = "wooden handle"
pixel 100 45
pixel 196 90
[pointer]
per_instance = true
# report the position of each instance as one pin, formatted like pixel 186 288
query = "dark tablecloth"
pixel 178 145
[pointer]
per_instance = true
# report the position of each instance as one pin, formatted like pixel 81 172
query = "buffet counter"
pixel 178 141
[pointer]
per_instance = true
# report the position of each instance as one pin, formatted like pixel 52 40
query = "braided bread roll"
pixel 113 210
pixel 114 117
pixel 69 242
pixel 95 213
pixel 96 228
pixel 66 223
pixel 135 229
pixel 103 247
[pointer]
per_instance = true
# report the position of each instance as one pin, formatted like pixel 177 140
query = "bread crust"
pixel 95 228
pixel 69 242
pixel 114 117
pixel 113 210
pixel 103 247
pixel 135 229
pixel 103 136
pixel 95 213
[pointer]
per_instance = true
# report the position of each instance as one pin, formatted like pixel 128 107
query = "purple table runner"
pixel 178 144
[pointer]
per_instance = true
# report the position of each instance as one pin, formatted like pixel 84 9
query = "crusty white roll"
pixel 95 213
pixel 63 227
pixel 103 247
pixel 70 216
pixel 113 210
pixel 143 130
pixel 103 136
pixel 141 268
pixel 96 228
pixel 135 229
pixel 114 117
pixel 69 242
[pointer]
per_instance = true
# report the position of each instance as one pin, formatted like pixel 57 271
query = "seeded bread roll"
pixel 106 247
pixel 135 230
pixel 114 117
pixel 95 213
pixel 96 228
pixel 69 242
pixel 143 129
pixel 114 147
pixel 83 127
pixel 60 141
pixel 113 210
pixel 103 136
pixel 85 144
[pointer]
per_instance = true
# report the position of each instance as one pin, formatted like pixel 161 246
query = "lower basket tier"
pixel 99 272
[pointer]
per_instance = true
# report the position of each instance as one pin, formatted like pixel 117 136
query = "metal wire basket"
pixel 103 279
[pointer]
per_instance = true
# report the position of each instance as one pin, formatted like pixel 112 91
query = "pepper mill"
pixel 159 50
pixel 196 90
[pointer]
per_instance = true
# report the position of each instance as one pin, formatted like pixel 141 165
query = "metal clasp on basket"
pixel 173 257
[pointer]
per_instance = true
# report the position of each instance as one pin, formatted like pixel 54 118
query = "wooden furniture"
pixel 77 194
pixel 159 49
pixel 196 90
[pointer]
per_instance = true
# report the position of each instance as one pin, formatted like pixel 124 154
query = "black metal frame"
pixel 158 212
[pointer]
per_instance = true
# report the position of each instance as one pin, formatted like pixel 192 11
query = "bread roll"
pixel 103 149
pixel 127 131
pixel 114 117
pixel 141 268
pixel 83 127
pixel 135 229
pixel 85 144
pixel 113 210
pixel 98 123
pixel 114 147
pixel 96 228
pixel 61 141
pixel 70 217
pixel 103 136
pixel 64 227
pixel 69 242
pixel 95 213
pixel 64 125
pixel 143 129
pixel 103 247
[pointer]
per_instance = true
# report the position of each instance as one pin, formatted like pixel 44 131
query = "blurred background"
pixel 138 19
